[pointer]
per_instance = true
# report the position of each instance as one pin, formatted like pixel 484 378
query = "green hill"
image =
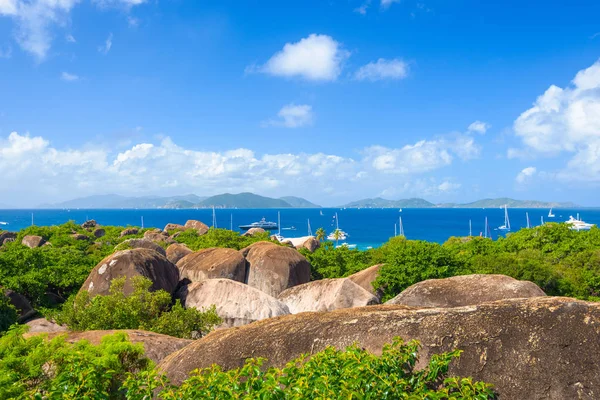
pixel 510 203
pixel 243 200
pixel 378 202
pixel 299 202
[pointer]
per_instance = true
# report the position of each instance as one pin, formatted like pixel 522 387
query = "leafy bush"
pixel 142 309
pixel 8 313
pixel 218 238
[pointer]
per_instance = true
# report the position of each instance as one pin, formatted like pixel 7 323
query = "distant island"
pixel 251 200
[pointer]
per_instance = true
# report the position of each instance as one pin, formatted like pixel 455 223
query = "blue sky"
pixel 329 100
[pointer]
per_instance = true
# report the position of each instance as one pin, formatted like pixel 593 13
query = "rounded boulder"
pixel 141 244
pixel 177 251
pixel 213 263
pixel 200 227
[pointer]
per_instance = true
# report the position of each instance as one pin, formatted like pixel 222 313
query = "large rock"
pixel 174 227
pixel 129 231
pixel 130 263
pixel 177 251
pixel 311 244
pixel 6 236
pixel 20 302
pixel 156 346
pixel 42 325
pixel 536 348
pixel 33 241
pixel 89 224
pixel 273 268
pixel 79 236
pixel 465 290
pixel 99 232
pixel 158 236
pixel 253 231
pixel 237 304
pixel 365 279
pixel 200 227
pixel 213 264
pixel 141 244
pixel 326 295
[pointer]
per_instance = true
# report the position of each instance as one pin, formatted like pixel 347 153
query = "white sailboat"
pixel 341 235
pixel 506 226
pixel 278 235
pixel 470 229
pixel 550 215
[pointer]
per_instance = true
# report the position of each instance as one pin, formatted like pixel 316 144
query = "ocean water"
pixel 366 227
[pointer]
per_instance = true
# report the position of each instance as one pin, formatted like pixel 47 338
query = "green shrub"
pixel 218 238
pixel 8 313
pixel 143 309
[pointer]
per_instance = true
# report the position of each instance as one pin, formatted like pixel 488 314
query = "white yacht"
pixel 578 225
pixel 550 215
pixel 341 235
pixel 506 226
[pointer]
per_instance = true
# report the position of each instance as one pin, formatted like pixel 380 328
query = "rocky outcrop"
pixel 253 231
pixel 20 302
pixel 99 232
pixel 6 240
pixel 7 236
pixel 89 224
pixel 42 325
pixel 465 290
pixel 156 346
pixel 213 264
pixel 200 227
pixel 141 244
pixel 365 279
pixel 129 231
pixel 33 241
pixel 79 236
pixel 326 295
pixel 177 251
pixel 158 236
pixel 237 304
pixel 169 228
pixel 536 348
pixel 130 263
pixel 273 268
pixel 311 244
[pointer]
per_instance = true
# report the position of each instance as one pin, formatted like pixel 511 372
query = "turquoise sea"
pixel 366 227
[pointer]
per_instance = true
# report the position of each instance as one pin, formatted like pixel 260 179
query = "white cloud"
pixel 70 39
pixel 383 69
pixel 387 3
pixel 133 22
pixel 65 76
pixel 447 186
pixel 105 48
pixel 292 116
pixel 567 120
pixel 152 168
pixel 315 58
pixel 363 7
pixel 479 127
pixel 525 174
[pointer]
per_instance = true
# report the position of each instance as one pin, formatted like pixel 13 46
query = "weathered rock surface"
pixel 156 346
pixel 273 268
pixel 158 236
pixel 200 227
pixel 311 244
pixel 237 304
pixel 130 263
pixel 89 224
pixel 536 348
pixel 365 279
pixel 177 251
pixel 326 295
pixel 7 240
pixel 20 302
pixel 213 264
pixel 253 231
pixel 41 325
pixel 7 236
pixel 129 231
pixel 33 241
pixel 174 227
pixel 141 244
pixel 465 290
pixel 99 232
pixel 79 236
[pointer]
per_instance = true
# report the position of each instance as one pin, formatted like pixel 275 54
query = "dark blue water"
pixel 366 227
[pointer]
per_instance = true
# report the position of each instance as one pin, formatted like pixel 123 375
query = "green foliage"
pixel 219 238
pixel 350 374
pixel 329 262
pixel 142 309
pixel 8 313
pixel 54 369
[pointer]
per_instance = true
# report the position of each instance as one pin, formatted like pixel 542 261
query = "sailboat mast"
pixel 142 222
pixel 395 231
pixel 401 227
pixel 31 219
pixel 279 222
pixel 309 230
pixel 470 229
pixel 231 223
pixel 527 215
pixel 485 228
pixel 214 223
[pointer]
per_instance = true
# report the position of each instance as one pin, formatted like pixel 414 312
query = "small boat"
pixel 578 225
pixel 399 210
pixel 321 212
pixel 550 215
pixel 506 226
pixel 341 235
pixel 346 245
pixel 3 223
pixel 291 228
pixel 263 223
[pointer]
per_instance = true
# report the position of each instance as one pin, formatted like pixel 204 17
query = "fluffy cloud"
pixel 35 20
pixel 153 168
pixel 107 45
pixel 479 127
pixel 525 174
pixel 315 58
pixel 387 3
pixel 292 116
pixel 567 120
pixel 65 76
pixel 383 69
